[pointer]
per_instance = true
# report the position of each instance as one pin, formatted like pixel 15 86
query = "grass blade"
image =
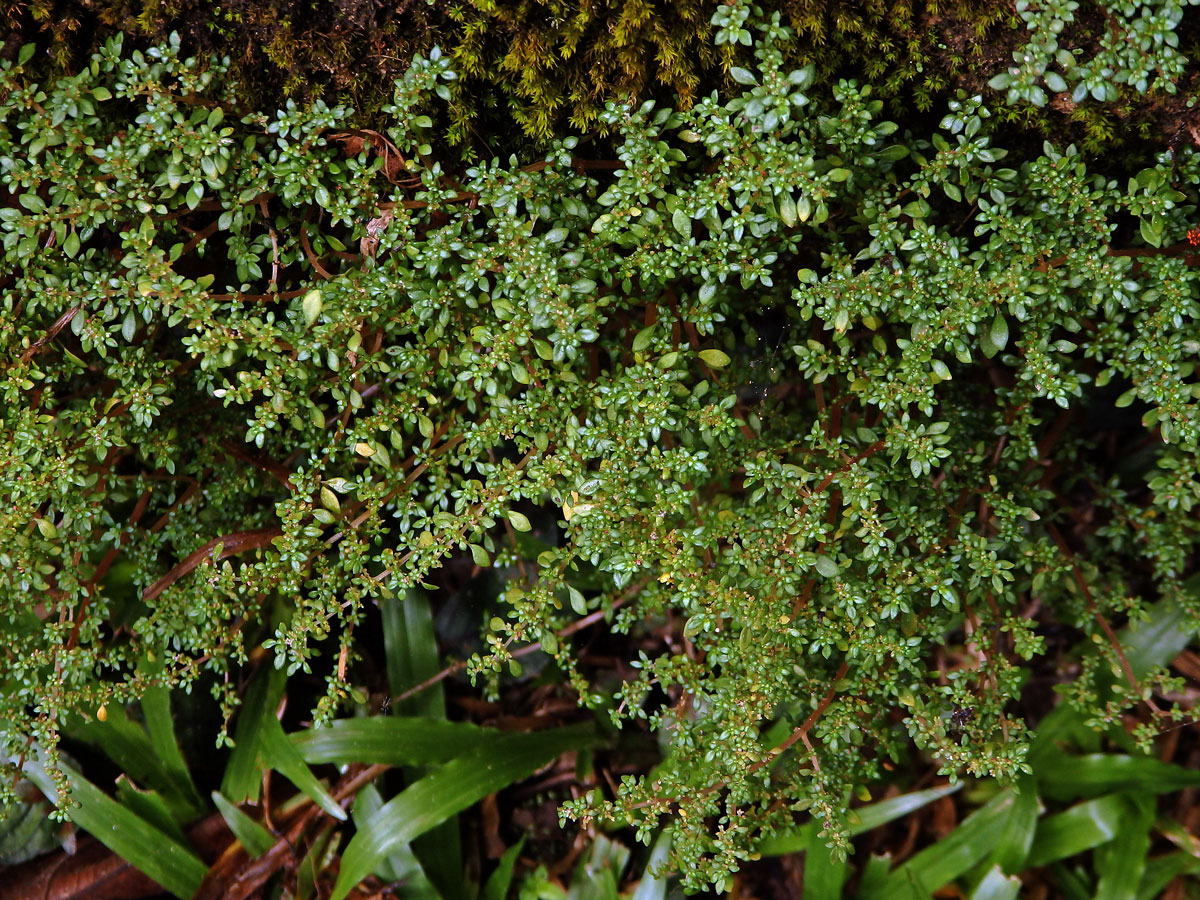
pixel 1080 828
pixel 411 648
pixel 401 864
pixel 598 875
pixel 243 778
pixel 868 817
pixel 996 886
pixel 651 887
pixel 280 754
pixel 824 876
pixel 1013 841
pixel 156 707
pixel 451 789
pixel 148 849
pixel 893 808
pixel 250 834
pixel 958 852
pixel 390 740
pixel 1121 863
pixel 412 656
pixel 1162 871
pixel 1067 777
pixel 149 805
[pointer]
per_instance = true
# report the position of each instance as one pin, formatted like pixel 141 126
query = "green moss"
pixel 532 69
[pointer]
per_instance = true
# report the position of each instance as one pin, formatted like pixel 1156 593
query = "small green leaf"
pixel 578 603
pixel 480 556
pixel 826 566
pixel 643 338
pixel 742 76
pixel 995 336
pixel 682 222
pixel 425 426
pixel 1055 82
pixel 311 306
pixel 518 520
pixel 1151 232
pixel 787 210
pixel 715 358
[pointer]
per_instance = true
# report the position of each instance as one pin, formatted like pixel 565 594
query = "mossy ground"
pixel 533 69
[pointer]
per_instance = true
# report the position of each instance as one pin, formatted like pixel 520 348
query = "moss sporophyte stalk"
pixel 261 380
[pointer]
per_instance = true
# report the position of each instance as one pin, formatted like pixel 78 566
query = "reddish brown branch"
pixel 231 545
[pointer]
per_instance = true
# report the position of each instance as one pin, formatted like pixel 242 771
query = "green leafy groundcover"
pixel 822 400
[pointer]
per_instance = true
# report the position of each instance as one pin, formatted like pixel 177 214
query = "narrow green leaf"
pixel 1014 838
pixel 885 811
pixel 412 658
pixel 280 754
pixel 1064 776
pixel 519 520
pixel 156 708
pixel 390 740
pixel 498 883
pixel 874 883
pixel 1121 863
pixel 868 818
pixel 1080 828
pixel 411 650
pixel 958 852
pixel 173 866
pixel 402 863
pixel 598 873
pixel 824 876
pixel 651 886
pixel 243 778
pixel 451 789
pixel 742 76
pixel 150 806
pixel 996 886
pixel 1162 870
pixel 250 834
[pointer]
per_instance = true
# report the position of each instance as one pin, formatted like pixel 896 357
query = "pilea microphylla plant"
pixel 806 392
